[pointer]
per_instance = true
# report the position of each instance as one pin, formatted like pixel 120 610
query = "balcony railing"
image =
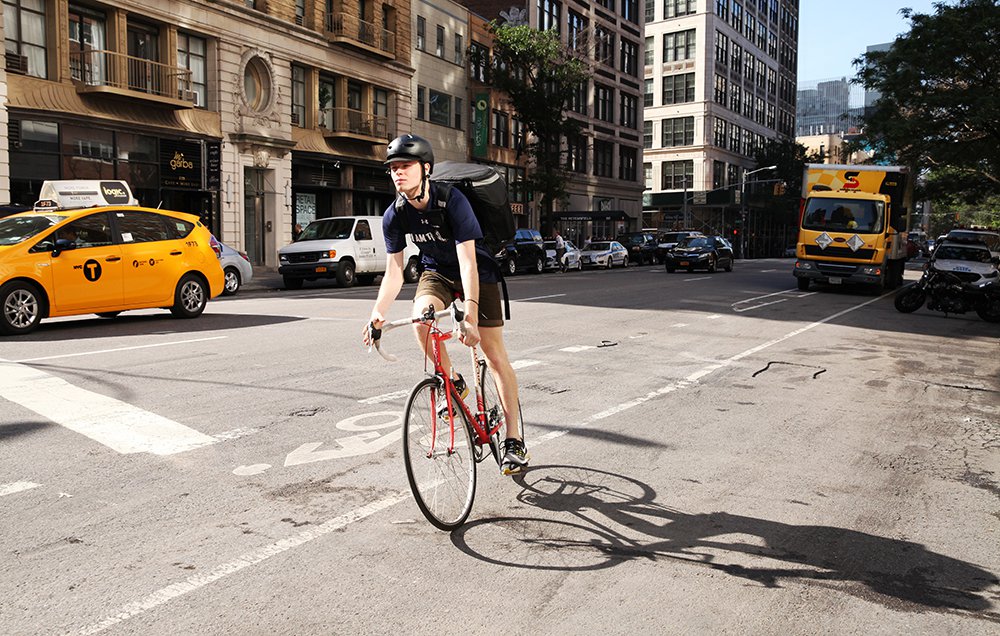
pixel 347 121
pixel 100 70
pixel 349 27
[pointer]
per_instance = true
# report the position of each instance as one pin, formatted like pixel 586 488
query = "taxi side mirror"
pixel 62 245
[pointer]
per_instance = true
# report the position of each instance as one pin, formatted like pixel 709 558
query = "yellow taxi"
pixel 87 247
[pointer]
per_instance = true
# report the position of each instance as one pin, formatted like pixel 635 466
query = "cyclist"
pixel 456 265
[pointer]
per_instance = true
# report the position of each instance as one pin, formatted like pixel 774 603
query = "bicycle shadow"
pixel 615 519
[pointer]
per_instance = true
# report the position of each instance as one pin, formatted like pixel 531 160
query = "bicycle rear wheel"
pixel 443 482
pixel 494 411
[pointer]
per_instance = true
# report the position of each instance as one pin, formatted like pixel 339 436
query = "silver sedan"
pixel 236 266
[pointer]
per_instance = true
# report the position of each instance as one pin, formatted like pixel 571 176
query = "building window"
pixel 576 154
pixel 629 58
pixel 577 25
pixel 678 131
pixel 679 46
pixel 578 101
pixel 420 102
pixel 327 99
pixel 24 33
pixel 501 133
pixel 439 45
pixel 677 175
pixel 191 55
pixel 630 11
pixel 380 102
pixel 736 17
pixel 298 96
pixel 459 49
pixel 647 93
pixel 439 108
pixel 548 15
pixel 721 48
pixel 607 4
pixel 647 175
pixel 677 8
pixel 718 175
pixel 736 61
pixel 517 134
pixel 627 164
pixel 721 90
pixel 628 107
pixel 647 134
pixel 603 158
pixel 650 11
pixel 604 45
pixel 421 33
pixel 722 9
pixel 479 60
pixel 257 84
pixel 736 98
pixel 648 53
pixel 604 102
pixel 458 113
pixel 721 132
pixel 678 89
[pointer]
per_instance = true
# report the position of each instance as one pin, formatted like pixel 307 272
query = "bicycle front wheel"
pixel 495 416
pixel 442 474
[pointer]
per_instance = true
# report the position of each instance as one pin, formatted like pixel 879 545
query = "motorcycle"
pixel 947 292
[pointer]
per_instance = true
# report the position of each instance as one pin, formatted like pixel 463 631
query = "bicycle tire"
pixel 494 411
pixel 443 484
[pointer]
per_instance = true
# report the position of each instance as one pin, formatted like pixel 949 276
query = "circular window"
pixel 257 84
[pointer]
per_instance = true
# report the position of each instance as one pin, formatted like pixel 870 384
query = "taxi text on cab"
pixel 87 247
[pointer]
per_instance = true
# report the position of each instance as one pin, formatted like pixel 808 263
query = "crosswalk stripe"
pixel 17 486
pixel 116 424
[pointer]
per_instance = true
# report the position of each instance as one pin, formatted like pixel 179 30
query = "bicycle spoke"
pixel 442 477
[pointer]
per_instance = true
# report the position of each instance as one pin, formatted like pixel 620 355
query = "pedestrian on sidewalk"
pixel 560 252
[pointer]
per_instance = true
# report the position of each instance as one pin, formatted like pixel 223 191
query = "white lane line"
pixel 148 346
pixel 116 424
pixel 577 349
pixel 236 433
pixel 536 297
pixel 523 364
pixel 198 581
pixel 699 278
pixel 17 486
pixel 713 317
pixel 759 305
pixel 386 397
pixel 767 271
pixel 679 324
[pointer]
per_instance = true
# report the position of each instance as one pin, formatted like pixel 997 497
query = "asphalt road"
pixel 710 454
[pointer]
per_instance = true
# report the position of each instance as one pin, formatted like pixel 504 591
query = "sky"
pixel 832 33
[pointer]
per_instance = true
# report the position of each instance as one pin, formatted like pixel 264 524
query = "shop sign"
pixel 180 164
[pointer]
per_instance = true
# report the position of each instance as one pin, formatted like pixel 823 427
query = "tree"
pixel 777 209
pixel 539 77
pixel 940 94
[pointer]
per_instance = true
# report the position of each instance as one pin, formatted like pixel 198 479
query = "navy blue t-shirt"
pixel 437 253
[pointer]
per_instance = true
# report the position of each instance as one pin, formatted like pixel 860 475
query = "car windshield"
pixel 696 241
pixel 327 229
pixel 962 253
pixel 599 247
pixel 635 239
pixel 843 215
pixel 671 237
pixel 15 229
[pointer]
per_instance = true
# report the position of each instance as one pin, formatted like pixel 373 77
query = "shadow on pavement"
pixel 604 519
pixel 17 429
pixel 92 327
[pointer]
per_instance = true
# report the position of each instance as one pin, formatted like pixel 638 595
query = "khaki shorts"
pixel 443 288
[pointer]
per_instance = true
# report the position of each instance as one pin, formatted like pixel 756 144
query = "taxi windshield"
pixel 599 247
pixel 843 215
pixel 327 229
pixel 15 229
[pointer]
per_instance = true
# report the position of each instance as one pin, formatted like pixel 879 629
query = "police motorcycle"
pixel 952 292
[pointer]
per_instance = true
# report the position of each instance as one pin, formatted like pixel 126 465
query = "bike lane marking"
pixel 191 584
pixel 17 486
pixel 118 425
pixel 90 353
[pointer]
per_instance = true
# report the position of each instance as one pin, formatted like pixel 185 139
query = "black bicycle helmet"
pixel 410 147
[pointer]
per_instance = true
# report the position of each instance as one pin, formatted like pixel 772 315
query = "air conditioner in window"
pixel 16 63
pixel 295 119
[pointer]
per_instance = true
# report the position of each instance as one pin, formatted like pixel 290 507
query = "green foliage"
pixel 959 199
pixel 539 76
pixel 940 91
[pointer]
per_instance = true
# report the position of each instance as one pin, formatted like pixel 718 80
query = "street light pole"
pixel 744 208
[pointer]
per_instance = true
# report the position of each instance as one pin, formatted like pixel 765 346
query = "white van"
pixel 347 248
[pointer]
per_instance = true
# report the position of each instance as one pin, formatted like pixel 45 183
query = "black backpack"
pixel 486 190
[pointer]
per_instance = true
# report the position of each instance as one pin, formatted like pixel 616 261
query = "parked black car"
pixel 701 252
pixel 641 247
pixel 526 253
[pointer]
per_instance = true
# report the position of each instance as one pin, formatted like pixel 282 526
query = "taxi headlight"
pixel 803 265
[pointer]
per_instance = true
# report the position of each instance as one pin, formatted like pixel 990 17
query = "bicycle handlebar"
pixel 455 310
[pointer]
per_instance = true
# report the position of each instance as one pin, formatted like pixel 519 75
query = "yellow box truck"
pixel 852 225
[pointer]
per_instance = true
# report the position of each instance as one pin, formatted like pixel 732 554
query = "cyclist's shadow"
pixel 603 519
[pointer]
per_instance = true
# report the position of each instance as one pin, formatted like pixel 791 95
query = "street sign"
pixel 700 198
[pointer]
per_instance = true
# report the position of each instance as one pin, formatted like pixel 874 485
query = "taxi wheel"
pixel 20 308
pixel 233 281
pixel 190 298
